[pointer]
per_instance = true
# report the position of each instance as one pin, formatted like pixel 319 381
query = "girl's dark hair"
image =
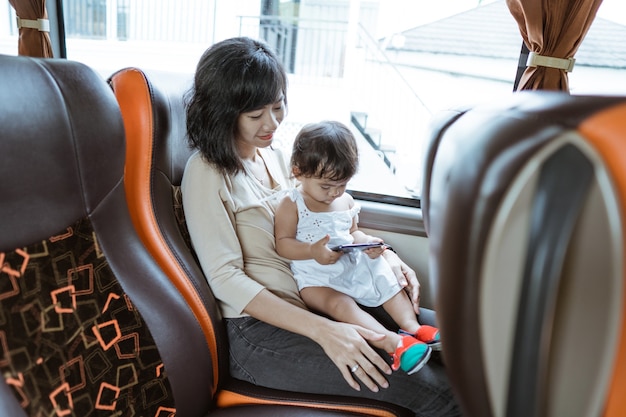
pixel 326 149
pixel 233 76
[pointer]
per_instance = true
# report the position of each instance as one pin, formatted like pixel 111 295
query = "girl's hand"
pixel 374 253
pixel 406 277
pixel 347 346
pixel 322 254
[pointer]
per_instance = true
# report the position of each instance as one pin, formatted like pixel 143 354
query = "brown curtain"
pixel 551 28
pixel 32 41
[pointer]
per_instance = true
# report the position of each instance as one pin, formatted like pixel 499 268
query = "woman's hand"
pixel 406 277
pixel 347 346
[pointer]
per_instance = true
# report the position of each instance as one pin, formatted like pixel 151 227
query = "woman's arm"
pixel 345 344
pixel 212 228
pixel 207 203
pixel 406 277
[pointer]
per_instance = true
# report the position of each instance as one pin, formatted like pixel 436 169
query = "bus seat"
pixel 89 322
pixel 154 118
pixel 156 154
pixel 527 218
pixel 90 325
pixel 438 125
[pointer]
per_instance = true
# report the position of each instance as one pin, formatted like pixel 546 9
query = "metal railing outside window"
pixel 317 52
pixel 140 20
pixel 383 105
pixel 313 48
pixel 85 18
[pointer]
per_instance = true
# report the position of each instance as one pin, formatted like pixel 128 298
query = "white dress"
pixel 370 282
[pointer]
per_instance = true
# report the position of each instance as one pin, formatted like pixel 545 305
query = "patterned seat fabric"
pixel 89 323
pixel 69 327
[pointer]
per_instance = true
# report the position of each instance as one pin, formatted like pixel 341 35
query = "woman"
pixel 236 104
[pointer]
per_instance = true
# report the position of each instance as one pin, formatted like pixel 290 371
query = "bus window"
pixel 383 67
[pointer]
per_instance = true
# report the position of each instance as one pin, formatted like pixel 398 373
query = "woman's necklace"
pixel 258 179
pixel 257 170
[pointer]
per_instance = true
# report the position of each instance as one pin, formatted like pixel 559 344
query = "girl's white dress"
pixel 371 282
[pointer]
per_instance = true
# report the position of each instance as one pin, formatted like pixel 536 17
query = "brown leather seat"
pixel 153 112
pixel 526 202
pixel 90 324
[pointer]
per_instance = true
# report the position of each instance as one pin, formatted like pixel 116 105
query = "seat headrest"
pixel 524 210
pixel 153 104
pixel 173 155
pixel 74 156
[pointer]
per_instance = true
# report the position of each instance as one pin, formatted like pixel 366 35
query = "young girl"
pixel 319 215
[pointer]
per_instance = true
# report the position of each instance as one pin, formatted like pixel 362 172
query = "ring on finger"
pixel 355 368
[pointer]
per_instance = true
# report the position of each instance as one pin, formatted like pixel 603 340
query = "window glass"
pixel 382 66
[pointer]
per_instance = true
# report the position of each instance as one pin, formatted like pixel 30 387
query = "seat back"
pixel 154 119
pixel 527 209
pixel 90 324
pixel 156 156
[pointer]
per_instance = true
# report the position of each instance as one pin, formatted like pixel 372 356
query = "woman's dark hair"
pixel 325 150
pixel 233 76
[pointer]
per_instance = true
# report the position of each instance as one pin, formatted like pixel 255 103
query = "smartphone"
pixel 356 246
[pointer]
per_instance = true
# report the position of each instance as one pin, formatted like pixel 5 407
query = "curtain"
pixel 551 28
pixel 33 41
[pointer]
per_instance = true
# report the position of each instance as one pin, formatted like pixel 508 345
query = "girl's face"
pixel 255 129
pixel 322 190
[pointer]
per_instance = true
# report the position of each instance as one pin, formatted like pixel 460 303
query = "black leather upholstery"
pixel 62 162
pixel 506 261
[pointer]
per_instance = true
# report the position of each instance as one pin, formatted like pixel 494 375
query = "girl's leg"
pixel 408 354
pixel 426 316
pixel 400 309
pixel 342 307
pixel 275 358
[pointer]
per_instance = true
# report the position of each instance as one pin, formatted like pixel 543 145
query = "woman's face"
pixel 255 129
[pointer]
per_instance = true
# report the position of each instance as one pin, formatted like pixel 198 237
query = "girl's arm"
pixel 287 246
pixel 361 237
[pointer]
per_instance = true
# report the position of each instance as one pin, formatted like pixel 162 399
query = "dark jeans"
pixel 268 356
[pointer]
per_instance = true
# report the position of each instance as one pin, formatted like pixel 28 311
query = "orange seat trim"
pixel 606 131
pixel 133 93
pixel 227 399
